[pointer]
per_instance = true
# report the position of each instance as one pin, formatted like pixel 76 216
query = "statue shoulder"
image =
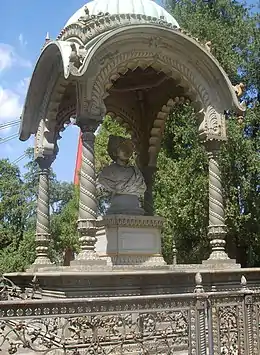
pixel 108 169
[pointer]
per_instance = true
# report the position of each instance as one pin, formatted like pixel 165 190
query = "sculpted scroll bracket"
pixel 213 125
pixel 86 108
pixel 45 140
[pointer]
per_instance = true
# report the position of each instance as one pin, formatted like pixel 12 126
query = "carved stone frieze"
pixel 131 221
pixel 91 26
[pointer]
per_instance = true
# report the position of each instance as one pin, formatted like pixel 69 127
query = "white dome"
pixel 113 7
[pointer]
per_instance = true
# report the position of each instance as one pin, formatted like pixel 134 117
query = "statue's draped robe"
pixel 122 180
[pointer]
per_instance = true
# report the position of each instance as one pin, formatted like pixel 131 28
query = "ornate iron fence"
pixel 199 323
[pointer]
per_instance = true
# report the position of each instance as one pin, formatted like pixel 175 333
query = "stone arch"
pixel 157 130
pixel 196 81
pixel 49 81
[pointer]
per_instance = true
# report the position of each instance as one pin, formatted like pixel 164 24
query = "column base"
pixel 88 261
pixel 221 263
pixel 40 263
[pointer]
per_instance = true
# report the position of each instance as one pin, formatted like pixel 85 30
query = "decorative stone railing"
pixel 198 323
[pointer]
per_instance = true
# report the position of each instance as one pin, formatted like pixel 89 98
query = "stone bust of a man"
pixel 124 181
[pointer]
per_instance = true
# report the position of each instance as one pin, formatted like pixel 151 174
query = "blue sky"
pixel 23 28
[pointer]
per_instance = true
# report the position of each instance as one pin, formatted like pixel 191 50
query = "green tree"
pixel 18 195
pixel 12 204
pixel 64 230
pixel 241 175
pixel 234 32
pixel 61 192
pixel 233 29
pixel 180 188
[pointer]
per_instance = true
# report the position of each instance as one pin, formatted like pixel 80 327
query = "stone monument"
pixel 131 60
pixel 125 236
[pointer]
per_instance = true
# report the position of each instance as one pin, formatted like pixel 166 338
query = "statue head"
pixel 120 149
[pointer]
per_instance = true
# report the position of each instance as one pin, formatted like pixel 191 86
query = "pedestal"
pixel 125 204
pixel 130 241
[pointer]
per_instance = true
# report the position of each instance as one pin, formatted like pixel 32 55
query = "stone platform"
pixel 130 240
pixel 139 282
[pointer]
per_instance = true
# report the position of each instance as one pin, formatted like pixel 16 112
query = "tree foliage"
pixel 233 29
pixel 18 202
pixel 180 189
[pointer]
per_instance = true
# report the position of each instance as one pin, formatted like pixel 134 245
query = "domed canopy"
pixel 114 7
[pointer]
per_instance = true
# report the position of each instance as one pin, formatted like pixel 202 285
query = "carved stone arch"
pixel 122 121
pixel 157 130
pixel 196 75
pixel 40 111
pixel 122 116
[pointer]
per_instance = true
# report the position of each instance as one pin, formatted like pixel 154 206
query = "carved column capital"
pixel 88 124
pixel 45 162
pixel 213 147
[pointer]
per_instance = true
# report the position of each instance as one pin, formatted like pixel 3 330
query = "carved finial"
pixel 243 282
pixel 74 58
pixel 198 281
pixel 239 89
pixel 86 10
pixel 174 252
pixel 208 45
pixel 47 39
pixel 85 18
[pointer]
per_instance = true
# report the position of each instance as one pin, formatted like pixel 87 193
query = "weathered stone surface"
pixel 130 241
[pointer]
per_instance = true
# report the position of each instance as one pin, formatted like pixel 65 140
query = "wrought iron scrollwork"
pixel 10 291
pixel 98 334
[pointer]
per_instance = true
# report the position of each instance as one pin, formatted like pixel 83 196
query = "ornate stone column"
pixel 43 214
pixel 217 227
pixel 87 197
pixel 148 173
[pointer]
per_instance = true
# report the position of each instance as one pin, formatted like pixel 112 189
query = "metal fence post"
pixel 201 308
pixel 250 321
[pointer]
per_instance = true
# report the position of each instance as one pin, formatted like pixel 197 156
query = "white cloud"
pixel 22 86
pixel 6 56
pixel 10 105
pixel 10 58
pixel 22 41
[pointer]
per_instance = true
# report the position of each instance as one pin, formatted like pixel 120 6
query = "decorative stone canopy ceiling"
pixel 117 7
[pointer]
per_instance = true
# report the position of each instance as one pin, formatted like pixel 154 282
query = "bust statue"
pixel 124 181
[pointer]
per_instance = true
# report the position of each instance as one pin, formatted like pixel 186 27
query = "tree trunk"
pixel 68 257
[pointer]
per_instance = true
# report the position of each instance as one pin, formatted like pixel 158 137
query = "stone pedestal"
pixel 130 241
pixel 125 204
